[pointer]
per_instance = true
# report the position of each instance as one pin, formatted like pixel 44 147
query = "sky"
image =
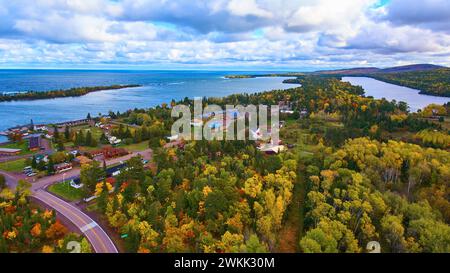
pixel 295 35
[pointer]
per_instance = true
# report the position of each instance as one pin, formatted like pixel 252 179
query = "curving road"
pixel 98 238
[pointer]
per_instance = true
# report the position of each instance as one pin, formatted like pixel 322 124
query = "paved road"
pixel 48 180
pixel 98 238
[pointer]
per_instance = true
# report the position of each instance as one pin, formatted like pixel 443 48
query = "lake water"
pixel 379 89
pixel 157 87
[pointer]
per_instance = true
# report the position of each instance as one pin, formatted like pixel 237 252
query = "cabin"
pixel 62 167
pixel 9 152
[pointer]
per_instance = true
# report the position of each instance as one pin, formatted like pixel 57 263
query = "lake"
pixel 157 87
pixel 379 89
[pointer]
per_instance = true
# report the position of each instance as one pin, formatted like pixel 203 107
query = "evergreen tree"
pixel 67 133
pixel 50 166
pixel 60 147
pixel 33 162
pixel 55 132
pixel 88 140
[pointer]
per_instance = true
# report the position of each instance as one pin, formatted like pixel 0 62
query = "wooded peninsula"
pixel 429 79
pixel 72 92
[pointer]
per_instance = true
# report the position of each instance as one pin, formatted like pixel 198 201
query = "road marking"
pixel 69 212
pixel 88 226
pixel 47 197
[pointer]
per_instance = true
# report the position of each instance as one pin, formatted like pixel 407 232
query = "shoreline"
pixel 65 93
pixel 340 76
pixel 4 138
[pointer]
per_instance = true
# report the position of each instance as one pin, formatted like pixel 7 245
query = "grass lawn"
pixel 95 131
pixel 23 146
pixel 13 166
pixel 136 147
pixel 64 190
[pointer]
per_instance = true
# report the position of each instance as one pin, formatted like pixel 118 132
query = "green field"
pixel 64 190
pixel 138 147
pixel 13 166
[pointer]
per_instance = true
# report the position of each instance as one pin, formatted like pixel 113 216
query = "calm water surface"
pixel 379 89
pixel 158 87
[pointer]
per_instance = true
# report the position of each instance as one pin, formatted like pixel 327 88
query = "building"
pixel 271 149
pixel 9 152
pixel 82 160
pixel 40 158
pixel 62 167
pixel 109 152
pixel 34 143
pixel 114 140
pixel 40 128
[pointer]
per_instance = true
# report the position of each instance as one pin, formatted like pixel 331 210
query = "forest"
pixel 357 170
pixel 27 228
pixel 72 92
pixel 356 173
pixel 434 82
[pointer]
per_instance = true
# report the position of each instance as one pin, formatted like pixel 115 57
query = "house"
pixel 9 152
pixel 271 149
pixel 82 160
pixel 40 158
pixel 40 128
pixel 114 140
pixel 109 152
pixel 114 152
pixel 62 167
pixel 34 143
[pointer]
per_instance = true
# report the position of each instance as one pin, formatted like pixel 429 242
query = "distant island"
pixel 429 79
pixel 72 92
pixel 288 74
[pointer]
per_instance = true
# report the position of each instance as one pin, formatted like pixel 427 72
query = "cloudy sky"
pixel 223 34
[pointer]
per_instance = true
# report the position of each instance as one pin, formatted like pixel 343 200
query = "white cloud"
pixel 271 33
pixel 246 8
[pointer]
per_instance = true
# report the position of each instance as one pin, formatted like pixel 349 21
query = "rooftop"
pixel 8 150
